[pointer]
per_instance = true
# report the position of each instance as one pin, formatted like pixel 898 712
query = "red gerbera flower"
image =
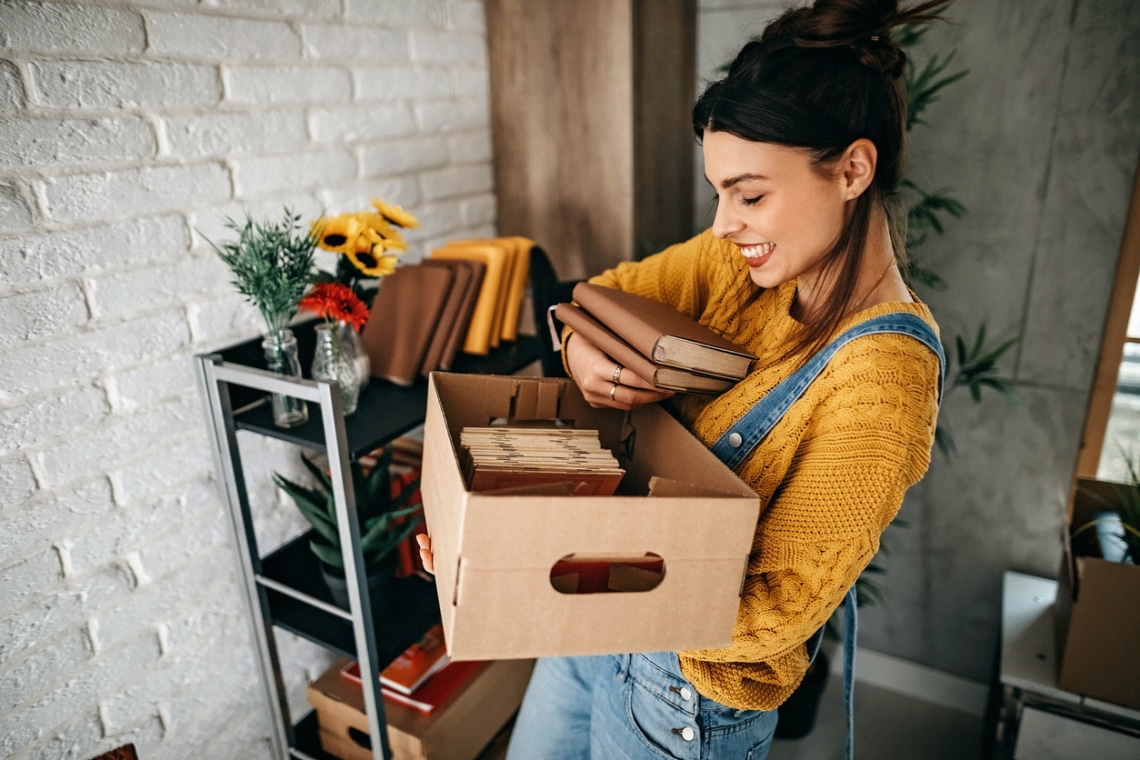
pixel 336 302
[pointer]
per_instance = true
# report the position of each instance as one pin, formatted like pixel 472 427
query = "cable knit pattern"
pixel 831 474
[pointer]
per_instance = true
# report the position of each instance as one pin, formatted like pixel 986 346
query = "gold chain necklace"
pixel 859 303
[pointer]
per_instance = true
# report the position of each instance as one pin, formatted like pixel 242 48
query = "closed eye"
pixel 751 201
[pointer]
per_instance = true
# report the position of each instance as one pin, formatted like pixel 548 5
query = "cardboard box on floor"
pixel 459 730
pixel 1097 615
pixel 494 553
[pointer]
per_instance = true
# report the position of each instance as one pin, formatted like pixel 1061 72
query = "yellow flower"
pixel 373 264
pixel 395 214
pixel 338 233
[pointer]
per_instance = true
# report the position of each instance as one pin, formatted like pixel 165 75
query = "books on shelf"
pixel 439 688
pixel 495 458
pixel 662 334
pixel 414 665
pixel 669 378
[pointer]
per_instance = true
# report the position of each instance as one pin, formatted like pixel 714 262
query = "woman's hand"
pixel 604 382
pixel 424 540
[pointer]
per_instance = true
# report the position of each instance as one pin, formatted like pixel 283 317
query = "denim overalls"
pixel 639 706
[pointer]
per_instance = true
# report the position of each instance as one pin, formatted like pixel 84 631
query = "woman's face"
pixel 781 213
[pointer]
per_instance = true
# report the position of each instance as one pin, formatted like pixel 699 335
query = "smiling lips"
pixel 757 255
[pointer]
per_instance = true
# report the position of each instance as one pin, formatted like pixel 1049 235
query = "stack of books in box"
pixel 495 458
pixel 655 341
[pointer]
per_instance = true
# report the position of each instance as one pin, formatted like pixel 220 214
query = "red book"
pixel 439 688
pixel 417 663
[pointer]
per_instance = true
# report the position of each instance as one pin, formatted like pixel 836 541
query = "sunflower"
pixel 338 233
pixel 373 262
pixel 395 214
pixel 335 302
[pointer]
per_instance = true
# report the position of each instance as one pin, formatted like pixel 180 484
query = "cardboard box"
pixel 1097 615
pixel 494 553
pixel 457 731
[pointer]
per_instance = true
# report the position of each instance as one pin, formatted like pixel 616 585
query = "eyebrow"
pixel 738 179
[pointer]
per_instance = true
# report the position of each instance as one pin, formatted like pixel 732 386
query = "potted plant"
pixel 386 520
pixel 1117 521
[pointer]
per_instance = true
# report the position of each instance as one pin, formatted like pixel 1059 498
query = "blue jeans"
pixel 630 707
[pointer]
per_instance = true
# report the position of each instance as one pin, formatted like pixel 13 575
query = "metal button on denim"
pixel 734 440
pixel 685 693
pixel 687 734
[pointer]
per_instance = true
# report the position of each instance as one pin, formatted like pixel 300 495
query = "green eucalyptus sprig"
pixel 272 264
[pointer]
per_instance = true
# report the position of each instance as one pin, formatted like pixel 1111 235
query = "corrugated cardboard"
pixel 1098 618
pixel 494 553
pixel 457 731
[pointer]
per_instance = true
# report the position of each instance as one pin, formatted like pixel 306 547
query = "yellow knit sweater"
pixel 830 475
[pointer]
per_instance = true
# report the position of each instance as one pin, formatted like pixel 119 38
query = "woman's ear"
pixel 858 167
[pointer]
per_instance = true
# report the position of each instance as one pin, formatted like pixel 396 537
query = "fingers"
pixel 603 382
pixel 428 558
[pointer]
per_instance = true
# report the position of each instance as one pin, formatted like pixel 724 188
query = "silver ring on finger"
pixel 616 376
pixel 613 390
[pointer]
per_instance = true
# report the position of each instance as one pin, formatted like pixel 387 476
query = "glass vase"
pixel 350 340
pixel 280 349
pixel 334 361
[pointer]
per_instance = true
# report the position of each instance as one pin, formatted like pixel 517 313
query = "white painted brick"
pixel 478 211
pixel 105 675
pixel 418 14
pixel 204 528
pixel 457 180
pixel 286 84
pixel 144 736
pixel 31 423
pixel 399 190
pixel 87 353
pixel 159 473
pixel 402 156
pixel 124 293
pixel 68 141
pixel 225 134
pixel 221 607
pixel 269 174
pixel 338 42
pixel 37 313
pixel 356 124
pixel 168 376
pixel 43 668
pixel 307 9
pixel 219 37
pixel 156 601
pixel 210 224
pixel 440 219
pixel 21 581
pixel 11 93
pixel 79 738
pixel 37 525
pixel 58 28
pixel 219 322
pixel 471 147
pixel 195 711
pixel 16 484
pixel 466 16
pixel 70 252
pixel 23 630
pixel 401 82
pixel 117 533
pixel 15 213
pixel 451 116
pixel 122 437
pixel 123 84
pixel 97 196
pixel 472 81
pixel 448 47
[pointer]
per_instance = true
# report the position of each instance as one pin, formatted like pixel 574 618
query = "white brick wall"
pixel 126 127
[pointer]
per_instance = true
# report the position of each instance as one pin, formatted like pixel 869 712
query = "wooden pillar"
pixel 590 104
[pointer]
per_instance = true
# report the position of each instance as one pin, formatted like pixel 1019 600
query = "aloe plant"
pixel 384 522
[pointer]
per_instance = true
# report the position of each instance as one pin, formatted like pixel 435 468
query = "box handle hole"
pixel 593 574
pixel 360 737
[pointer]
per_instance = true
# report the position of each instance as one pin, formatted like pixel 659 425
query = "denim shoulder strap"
pixel 734 446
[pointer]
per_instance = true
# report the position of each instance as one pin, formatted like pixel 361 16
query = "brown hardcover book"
pixel 661 333
pixel 405 314
pixel 669 378
pixel 456 314
pixel 487 318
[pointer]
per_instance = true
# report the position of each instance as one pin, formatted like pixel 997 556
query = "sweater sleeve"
pixel 850 449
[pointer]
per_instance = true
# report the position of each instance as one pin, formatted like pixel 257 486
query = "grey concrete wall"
pixel 1041 142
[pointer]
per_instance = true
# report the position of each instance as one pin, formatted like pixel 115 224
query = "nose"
pixel 725 223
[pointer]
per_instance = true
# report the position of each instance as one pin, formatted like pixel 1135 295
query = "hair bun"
pixel 878 52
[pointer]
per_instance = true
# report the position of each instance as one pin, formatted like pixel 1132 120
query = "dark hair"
pixel 820 78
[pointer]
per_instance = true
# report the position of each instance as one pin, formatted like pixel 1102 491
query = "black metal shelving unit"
pixel 283 588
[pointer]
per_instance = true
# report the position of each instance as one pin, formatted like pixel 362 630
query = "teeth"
pixel 753 251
